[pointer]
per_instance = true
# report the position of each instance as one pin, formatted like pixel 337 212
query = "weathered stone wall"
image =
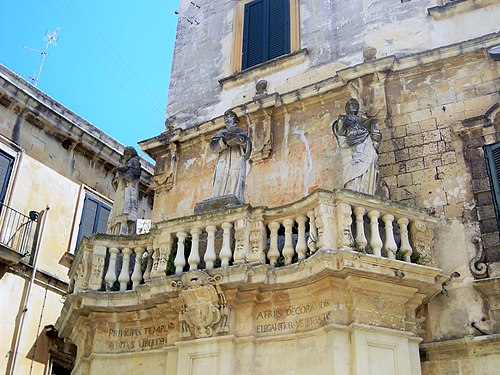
pixel 334 32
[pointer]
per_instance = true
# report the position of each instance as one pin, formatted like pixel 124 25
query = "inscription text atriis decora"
pixel 293 318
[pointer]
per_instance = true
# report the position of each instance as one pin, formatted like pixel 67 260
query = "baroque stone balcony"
pixel 325 221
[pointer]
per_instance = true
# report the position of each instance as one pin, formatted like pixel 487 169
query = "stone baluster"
pixel 97 267
pixel 179 260
pixel 361 241
pixel 313 233
pixel 149 264
pixel 405 247
pixel 390 244
pixel 288 250
pixel 137 273
pixel 273 253
pixel 301 247
pixel 225 251
pixel 110 277
pixel 375 240
pixel 124 276
pixel 210 255
pixel 194 256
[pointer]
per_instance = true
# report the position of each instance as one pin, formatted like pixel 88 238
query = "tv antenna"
pixel 191 20
pixel 50 38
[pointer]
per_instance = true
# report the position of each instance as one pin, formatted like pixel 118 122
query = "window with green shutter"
pixel 492 156
pixel 94 218
pixel 6 163
pixel 266 31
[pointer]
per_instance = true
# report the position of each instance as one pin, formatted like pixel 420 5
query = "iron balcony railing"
pixel 17 230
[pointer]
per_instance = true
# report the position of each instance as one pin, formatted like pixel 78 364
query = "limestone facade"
pixel 316 279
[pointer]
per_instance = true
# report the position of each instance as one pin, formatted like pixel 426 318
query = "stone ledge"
pixel 456 7
pixel 264 69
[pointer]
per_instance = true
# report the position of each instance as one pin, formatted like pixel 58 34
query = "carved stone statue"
pixel 234 148
pixel 358 138
pixel 123 216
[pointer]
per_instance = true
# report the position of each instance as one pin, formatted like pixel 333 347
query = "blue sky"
pixel 111 64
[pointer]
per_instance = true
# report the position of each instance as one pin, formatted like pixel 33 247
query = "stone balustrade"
pixel 341 220
pixel 112 263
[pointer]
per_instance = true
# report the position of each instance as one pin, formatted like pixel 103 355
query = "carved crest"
pixel 203 305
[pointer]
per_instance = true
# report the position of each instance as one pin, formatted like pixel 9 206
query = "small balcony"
pixel 17 233
pixel 260 239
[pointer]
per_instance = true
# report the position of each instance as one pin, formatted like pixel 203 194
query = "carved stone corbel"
pixel 261 135
pixel 477 267
pixel 166 169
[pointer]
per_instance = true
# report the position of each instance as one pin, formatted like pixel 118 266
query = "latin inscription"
pixel 293 318
pixel 138 338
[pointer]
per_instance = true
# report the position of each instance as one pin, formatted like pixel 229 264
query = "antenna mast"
pixel 50 38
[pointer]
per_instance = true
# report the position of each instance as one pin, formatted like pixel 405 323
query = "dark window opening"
pixel 94 218
pixel 266 31
pixel 492 157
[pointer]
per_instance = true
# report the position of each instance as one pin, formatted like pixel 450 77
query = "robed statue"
pixel 123 216
pixel 234 148
pixel 358 138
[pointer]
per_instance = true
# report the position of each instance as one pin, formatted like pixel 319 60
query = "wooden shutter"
pixel 279 28
pixel 492 155
pixel 266 31
pixel 94 218
pixel 253 34
pixel 6 163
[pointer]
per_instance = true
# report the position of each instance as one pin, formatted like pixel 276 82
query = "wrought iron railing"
pixel 17 230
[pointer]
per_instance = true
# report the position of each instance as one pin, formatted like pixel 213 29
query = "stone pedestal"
pixel 217 203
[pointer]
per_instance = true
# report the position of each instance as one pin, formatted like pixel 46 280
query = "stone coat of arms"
pixel 203 305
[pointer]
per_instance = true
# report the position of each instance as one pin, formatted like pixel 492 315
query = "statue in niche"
pixel 123 216
pixel 234 148
pixel 358 138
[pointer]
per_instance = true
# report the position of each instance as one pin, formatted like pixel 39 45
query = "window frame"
pixel 85 191
pixel 238 30
pixel 493 176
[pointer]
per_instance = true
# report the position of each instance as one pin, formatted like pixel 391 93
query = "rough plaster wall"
pixel 333 31
pixel 197 62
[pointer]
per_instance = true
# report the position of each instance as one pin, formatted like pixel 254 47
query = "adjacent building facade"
pixel 309 276
pixel 56 173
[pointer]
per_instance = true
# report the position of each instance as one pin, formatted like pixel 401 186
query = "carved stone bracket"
pixel 203 307
pixel 477 266
pixel 261 135
pixel 166 169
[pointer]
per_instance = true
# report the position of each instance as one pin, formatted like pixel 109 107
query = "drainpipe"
pixel 37 248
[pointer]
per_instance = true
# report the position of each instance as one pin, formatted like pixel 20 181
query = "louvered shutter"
pixel 94 218
pixel 279 28
pixel 6 163
pixel 266 32
pixel 253 34
pixel 89 213
pixel 492 154
pixel 102 220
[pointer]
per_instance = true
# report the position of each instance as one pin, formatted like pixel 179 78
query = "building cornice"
pixel 38 107
pixel 153 146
